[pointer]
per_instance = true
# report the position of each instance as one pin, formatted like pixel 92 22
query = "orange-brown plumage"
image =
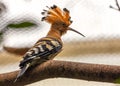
pixel 55 14
pixel 59 20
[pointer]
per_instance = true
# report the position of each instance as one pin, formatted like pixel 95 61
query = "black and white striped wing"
pixel 43 50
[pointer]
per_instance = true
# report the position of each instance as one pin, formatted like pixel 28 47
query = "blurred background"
pixel 21 27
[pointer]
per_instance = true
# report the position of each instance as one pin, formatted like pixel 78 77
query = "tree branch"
pixel 117 4
pixel 53 69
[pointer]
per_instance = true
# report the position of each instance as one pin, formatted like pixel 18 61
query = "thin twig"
pixel 53 69
pixel 117 4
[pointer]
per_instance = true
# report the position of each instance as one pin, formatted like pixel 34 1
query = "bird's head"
pixel 59 19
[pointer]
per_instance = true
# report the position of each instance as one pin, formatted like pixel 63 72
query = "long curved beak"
pixel 75 31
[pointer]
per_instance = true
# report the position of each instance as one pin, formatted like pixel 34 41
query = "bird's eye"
pixel 64 25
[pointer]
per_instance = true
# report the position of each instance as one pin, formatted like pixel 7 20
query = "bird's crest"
pixel 55 14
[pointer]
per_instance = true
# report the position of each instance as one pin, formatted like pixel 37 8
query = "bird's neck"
pixel 54 33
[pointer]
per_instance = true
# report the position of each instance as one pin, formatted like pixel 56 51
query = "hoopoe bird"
pixel 48 47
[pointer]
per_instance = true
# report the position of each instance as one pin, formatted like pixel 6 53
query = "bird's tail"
pixel 22 71
pixel 55 14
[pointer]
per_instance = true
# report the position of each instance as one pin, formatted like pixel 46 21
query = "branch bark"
pixel 54 69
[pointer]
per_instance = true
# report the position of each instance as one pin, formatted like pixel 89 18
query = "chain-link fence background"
pixel 21 27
